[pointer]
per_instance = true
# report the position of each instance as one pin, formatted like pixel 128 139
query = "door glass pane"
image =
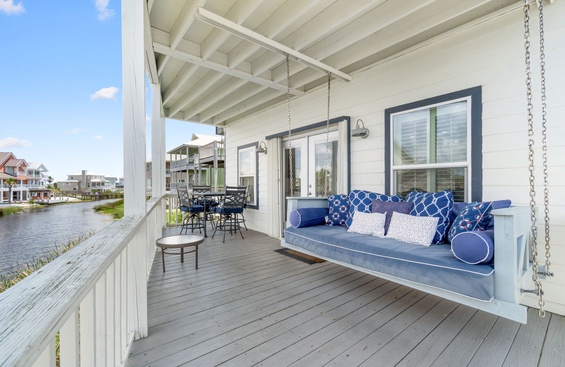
pixel 326 169
pixel 296 162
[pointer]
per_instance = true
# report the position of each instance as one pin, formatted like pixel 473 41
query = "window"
pixel 247 172
pixel 435 145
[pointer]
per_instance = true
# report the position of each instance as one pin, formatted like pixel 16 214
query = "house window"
pixel 435 145
pixel 247 172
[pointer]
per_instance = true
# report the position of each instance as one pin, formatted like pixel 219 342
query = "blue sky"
pixel 60 90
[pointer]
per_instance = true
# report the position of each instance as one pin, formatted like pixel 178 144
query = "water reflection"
pixel 27 235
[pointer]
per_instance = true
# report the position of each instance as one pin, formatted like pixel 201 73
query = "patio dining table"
pixel 208 197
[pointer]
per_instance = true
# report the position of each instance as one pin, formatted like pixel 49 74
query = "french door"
pixel 314 162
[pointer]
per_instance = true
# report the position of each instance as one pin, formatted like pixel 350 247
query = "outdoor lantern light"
pixel 360 130
pixel 262 148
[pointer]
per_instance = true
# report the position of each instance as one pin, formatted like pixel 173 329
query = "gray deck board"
pixel 247 305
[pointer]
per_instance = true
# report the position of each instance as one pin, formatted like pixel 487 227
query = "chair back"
pixel 201 189
pixel 184 197
pixel 234 199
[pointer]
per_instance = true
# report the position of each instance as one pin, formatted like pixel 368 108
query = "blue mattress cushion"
pixel 433 266
pixel 362 201
pixel 433 204
pixel 338 205
pixel 306 217
pixel 476 247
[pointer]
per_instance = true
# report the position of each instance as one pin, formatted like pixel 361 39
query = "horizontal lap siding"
pixel 490 55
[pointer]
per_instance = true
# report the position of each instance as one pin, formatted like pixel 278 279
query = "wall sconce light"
pixel 360 130
pixel 262 148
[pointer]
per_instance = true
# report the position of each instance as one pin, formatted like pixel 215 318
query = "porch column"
pixel 133 84
pixel 158 151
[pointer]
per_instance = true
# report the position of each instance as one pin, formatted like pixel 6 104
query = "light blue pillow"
pixel 476 247
pixel 306 217
pixel 433 204
pixel 338 209
pixel 362 201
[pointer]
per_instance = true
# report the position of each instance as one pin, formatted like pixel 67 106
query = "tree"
pixel 11 182
pixel 50 180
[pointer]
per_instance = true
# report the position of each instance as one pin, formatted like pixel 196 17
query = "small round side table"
pixel 181 242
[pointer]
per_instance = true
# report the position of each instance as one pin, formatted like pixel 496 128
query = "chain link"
pixel 534 230
pixel 290 161
pixel 327 165
pixel 544 139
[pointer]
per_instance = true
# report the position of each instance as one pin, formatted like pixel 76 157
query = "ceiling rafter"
pixel 280 19
pixel 223 23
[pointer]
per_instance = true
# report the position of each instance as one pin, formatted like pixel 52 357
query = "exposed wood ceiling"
pixel 213 76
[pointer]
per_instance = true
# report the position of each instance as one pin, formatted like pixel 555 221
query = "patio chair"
pixel 229 210
pixel 191 218
pixel 241 217
pixel 208 202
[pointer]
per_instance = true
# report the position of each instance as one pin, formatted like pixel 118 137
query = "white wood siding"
pixel 488 53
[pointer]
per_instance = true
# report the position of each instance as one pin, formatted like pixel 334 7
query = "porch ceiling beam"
pixel 221 67
pixel 247 34
pixel 149 53
pixel 338 15
pixel 239 12
pixel 371 22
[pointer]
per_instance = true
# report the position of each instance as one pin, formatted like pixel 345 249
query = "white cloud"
pixel 74 131
pixel 103 11
pixel 8 7
pixel 14 142
pixel 97 137
pixel 105 93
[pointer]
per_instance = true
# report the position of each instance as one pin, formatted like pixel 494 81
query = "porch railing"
pixel 100 285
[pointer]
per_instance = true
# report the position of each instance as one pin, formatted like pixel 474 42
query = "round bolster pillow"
pixel 305 217
pixel 474 247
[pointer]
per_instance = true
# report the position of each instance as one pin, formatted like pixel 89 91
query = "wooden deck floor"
pixel 247 305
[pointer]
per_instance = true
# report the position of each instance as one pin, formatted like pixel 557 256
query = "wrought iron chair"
pixel 207 202
pixel 229 210
pixel 241 217
pixel 191 218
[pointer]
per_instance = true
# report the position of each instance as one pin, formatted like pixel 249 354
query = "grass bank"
pixel 115 209
pixel 23 270
pixel 7 210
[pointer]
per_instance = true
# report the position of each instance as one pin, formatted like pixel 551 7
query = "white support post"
pixel 158 151
pixel 133 84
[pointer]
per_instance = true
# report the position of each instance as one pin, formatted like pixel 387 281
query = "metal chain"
pixel 534 231
pixel 290 162
pixel 544 140
pixel 327 175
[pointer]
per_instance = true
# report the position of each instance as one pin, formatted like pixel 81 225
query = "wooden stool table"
pixel 181 242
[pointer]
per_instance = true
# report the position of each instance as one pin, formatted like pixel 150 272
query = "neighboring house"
pixel 199 161
pixel 86 182
pixel 31 179
pixel 149 173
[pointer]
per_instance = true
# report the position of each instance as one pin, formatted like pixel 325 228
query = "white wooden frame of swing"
pixel 512 263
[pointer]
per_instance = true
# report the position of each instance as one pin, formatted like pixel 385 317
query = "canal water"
pixel 31 233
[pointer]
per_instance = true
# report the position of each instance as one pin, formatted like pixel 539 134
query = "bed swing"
pixel 518 269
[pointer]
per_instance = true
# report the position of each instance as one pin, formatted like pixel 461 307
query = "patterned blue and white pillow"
pixel 362 201
pixel 338 210
pixel 474 216
pixel 433 204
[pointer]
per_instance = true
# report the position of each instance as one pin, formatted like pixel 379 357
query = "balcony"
pixel 210 152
